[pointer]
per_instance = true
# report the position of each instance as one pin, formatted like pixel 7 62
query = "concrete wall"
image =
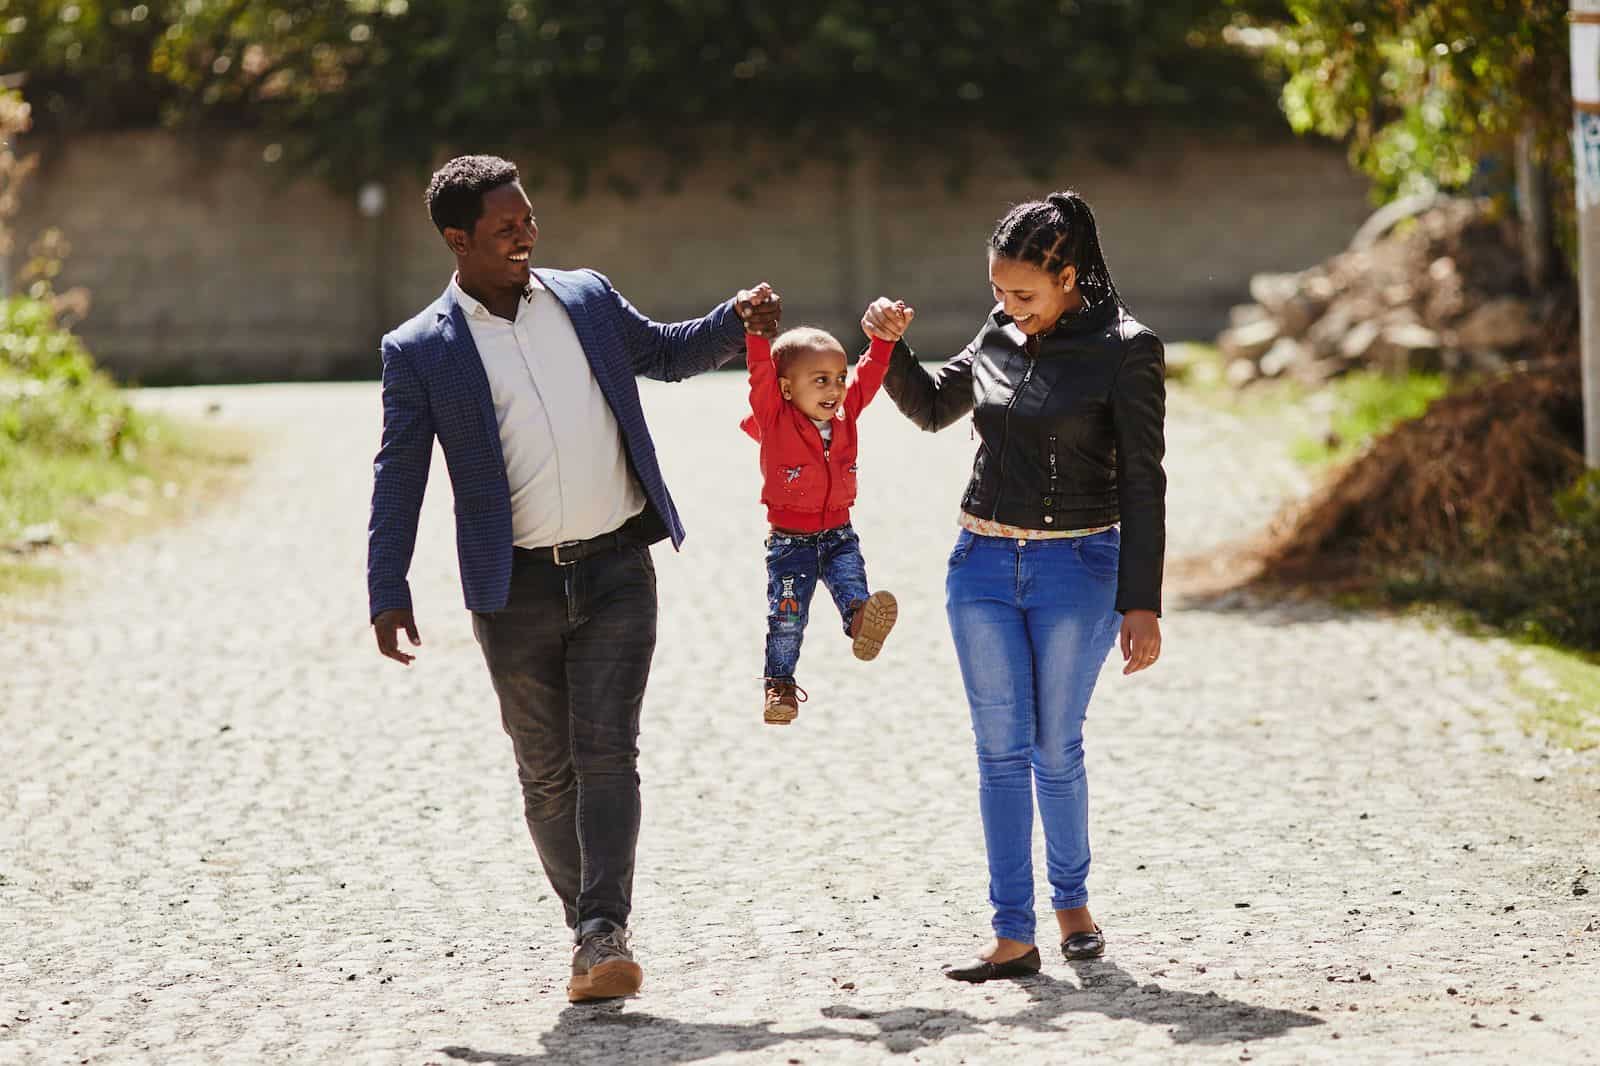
pixel 204 265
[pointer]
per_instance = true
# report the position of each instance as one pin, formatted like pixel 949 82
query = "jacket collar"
pixel 1091 317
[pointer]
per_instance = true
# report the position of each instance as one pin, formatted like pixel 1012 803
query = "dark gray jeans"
pixel 569 655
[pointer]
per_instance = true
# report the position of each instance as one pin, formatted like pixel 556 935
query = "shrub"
pixel 51 395
pixel 1543 585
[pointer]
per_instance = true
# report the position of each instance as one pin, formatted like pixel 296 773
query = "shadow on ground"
pixel 606 1031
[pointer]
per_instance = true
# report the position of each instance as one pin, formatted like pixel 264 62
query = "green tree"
pixel 85 61
pixel 353 86
pixel 1428 92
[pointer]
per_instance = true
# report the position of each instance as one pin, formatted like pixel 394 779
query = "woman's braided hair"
pixel 1055 233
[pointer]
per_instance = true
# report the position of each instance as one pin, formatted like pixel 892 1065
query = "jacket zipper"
pixel 827 469
pixel 1005 438
pixel 1055 484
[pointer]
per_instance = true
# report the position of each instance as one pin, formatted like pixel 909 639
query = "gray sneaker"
pixel 603 968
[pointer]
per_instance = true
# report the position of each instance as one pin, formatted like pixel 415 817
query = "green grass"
pixel 1562 689
pixel 1348 413
pixel 77 461
pixel 94 499
pixel 1365 405
pixel 20 575
pixel 37 487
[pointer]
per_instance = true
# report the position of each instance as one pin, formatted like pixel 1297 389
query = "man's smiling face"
pixel 498 251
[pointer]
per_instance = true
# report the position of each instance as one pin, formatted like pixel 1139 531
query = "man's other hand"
pixel 387 627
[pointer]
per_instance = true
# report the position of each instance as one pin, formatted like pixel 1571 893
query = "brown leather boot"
pixel 603 968
pixel 782 704
pixel 874 617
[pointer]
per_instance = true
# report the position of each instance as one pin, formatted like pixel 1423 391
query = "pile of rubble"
pixel 1431 284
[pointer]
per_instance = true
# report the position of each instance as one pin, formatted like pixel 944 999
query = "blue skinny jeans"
pixel 1033 622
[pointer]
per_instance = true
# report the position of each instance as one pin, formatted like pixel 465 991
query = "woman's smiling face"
pixel 1034 297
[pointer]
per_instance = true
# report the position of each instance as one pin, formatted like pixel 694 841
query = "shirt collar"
pixel 473 309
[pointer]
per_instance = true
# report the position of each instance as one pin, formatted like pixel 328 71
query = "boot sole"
pixel 878 616
pixel 778 718
pixel 609 980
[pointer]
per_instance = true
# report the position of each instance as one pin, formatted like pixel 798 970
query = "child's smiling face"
pixel 814 380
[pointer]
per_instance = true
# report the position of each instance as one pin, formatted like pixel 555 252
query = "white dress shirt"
pixel 564 455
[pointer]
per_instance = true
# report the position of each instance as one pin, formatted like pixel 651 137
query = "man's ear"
pixel 459 240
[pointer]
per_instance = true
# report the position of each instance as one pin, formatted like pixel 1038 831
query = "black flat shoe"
pixel 1084 945
pixel 1022 966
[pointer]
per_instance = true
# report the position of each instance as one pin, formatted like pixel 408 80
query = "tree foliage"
pixel 1427 92
pixel 354 86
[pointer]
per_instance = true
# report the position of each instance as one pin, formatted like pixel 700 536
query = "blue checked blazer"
pixel 434 385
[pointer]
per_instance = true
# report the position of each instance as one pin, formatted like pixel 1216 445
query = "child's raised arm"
pixel 766 398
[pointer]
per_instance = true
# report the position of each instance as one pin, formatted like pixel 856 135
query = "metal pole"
pixel 1585 38
pixel 373 201
pixel 1533 207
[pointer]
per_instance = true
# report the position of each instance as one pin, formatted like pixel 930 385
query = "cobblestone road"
pixel 229 831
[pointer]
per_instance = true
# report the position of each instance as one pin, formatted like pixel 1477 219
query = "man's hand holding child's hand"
pixel 760 309
pixel 887 319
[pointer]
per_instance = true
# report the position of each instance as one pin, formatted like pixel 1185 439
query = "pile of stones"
pixel 1427 284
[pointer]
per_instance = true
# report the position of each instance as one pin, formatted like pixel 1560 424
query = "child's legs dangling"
pixel 843 570
pixel 791 581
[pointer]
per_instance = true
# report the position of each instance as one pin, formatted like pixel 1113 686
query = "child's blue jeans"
pixel 794 563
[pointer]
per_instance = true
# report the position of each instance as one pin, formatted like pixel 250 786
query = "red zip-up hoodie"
pixel 807 486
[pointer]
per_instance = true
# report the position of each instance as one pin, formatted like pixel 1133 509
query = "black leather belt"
pixel 630 534
pixel 569 552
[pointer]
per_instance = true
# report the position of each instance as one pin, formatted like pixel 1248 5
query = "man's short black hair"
pixel 455 195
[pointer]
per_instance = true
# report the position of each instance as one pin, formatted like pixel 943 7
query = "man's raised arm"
pixel 672 351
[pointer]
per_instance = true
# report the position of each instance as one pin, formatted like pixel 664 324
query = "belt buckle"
pixel 555 552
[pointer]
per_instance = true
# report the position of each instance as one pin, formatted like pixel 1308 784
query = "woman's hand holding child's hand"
pixel 887 319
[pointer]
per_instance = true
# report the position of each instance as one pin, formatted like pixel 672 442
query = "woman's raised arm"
pixel 931 400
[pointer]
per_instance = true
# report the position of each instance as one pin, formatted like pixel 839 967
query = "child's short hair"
pixel 794 342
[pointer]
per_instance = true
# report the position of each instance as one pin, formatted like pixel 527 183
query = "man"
pixel 527 379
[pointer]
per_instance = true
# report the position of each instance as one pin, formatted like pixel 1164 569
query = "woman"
pixel 1067 396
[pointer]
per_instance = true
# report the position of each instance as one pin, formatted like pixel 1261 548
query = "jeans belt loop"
pixel 555 553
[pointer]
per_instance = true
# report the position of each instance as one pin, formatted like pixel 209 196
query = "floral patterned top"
pixel 988 527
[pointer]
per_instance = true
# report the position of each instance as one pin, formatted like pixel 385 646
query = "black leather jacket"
pixel 1071 437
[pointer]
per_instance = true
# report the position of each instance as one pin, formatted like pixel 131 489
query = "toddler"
pixel 804 407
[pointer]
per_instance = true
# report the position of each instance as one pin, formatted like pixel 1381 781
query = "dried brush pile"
pixel 1482 502
pixel 1483 462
